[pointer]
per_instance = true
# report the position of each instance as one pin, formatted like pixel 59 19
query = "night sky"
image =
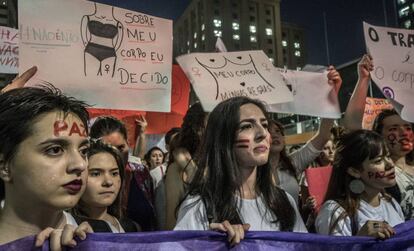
pixel 344 22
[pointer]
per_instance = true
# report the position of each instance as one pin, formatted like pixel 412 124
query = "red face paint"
pixel 75 129
pixel 59 126
pixel 376 175
pixel 242 143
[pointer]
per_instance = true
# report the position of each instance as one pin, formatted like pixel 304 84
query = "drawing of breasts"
pixel 232 72
pixel 102 30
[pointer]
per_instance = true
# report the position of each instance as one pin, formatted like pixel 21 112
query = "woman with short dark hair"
pixel 43 161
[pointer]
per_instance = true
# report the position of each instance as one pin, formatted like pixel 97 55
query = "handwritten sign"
pixel 393 53
pixel 9 50
pixel 373 107
pixel 110 57
pixel 220 76
pixel 318 181
pixel 312 95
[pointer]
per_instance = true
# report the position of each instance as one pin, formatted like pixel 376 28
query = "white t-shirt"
pixel 69 219
pixel 405 183
pixel 300 160
pixel 157 174
pixel 114 229
pixel 193 215
pixel 387 211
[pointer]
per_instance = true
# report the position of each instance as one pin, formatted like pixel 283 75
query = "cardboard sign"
pixel 220 76
pixel 393 54
pixel 373 107
pixel 312 95
pixel 158 122
pixel 110 57
pixel 318 181
pixel 9 50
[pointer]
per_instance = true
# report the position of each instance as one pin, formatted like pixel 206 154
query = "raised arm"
pixel 324 131
pixel 356 105
pixel 140 143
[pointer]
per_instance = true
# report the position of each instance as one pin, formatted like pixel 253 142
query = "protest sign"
pixel 318 181
pixel 373 107
pixel 9 50
pixel 219 76
pixel 212 240
pixel 158 122
pixel 312 95
pixel 110 57
pixel 392 51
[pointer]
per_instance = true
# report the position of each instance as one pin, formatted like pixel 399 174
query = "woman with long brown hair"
pixel 233 189
pixel 356 202
pixel 100 204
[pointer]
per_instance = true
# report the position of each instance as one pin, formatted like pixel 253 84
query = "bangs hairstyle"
pixel 19 109
pixel 218 178
pixel 99 147
pixel 352 150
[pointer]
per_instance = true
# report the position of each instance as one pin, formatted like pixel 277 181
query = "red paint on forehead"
pixel 61 126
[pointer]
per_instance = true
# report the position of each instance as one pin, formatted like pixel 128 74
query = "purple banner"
pixel 208 240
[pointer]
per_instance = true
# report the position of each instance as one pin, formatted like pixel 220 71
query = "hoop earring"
pixel 356 186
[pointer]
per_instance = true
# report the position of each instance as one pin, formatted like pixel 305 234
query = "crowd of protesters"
pixel 228 170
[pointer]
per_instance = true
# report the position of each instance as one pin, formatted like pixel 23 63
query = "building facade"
pixel 405 13
pixel 293 49
pixel 241 24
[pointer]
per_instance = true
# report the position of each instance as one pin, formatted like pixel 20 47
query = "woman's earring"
pixel 356 186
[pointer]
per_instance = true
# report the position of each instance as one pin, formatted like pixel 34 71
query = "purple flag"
pixel 208 240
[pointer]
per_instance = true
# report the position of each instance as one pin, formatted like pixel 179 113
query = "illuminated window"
pixel 272 60
pixel 203 27
pixel 188 43
pixel 298 68
pixel 253 39
pixel 404 11
pixel 297 45
pixel 203 37
pixel 407 24
pixel 284 43
pixel 236 37
pixel 269 31
pixel 217 33
pixel 195 35
pixel 297 53
pixel 252 29
pixel 236 26
pixel 217 22
pixel 195 45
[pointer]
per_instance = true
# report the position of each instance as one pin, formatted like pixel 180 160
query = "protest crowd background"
pixel 108 140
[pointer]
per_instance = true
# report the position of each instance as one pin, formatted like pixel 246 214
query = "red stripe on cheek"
pixel 242 141
pixel 242 146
